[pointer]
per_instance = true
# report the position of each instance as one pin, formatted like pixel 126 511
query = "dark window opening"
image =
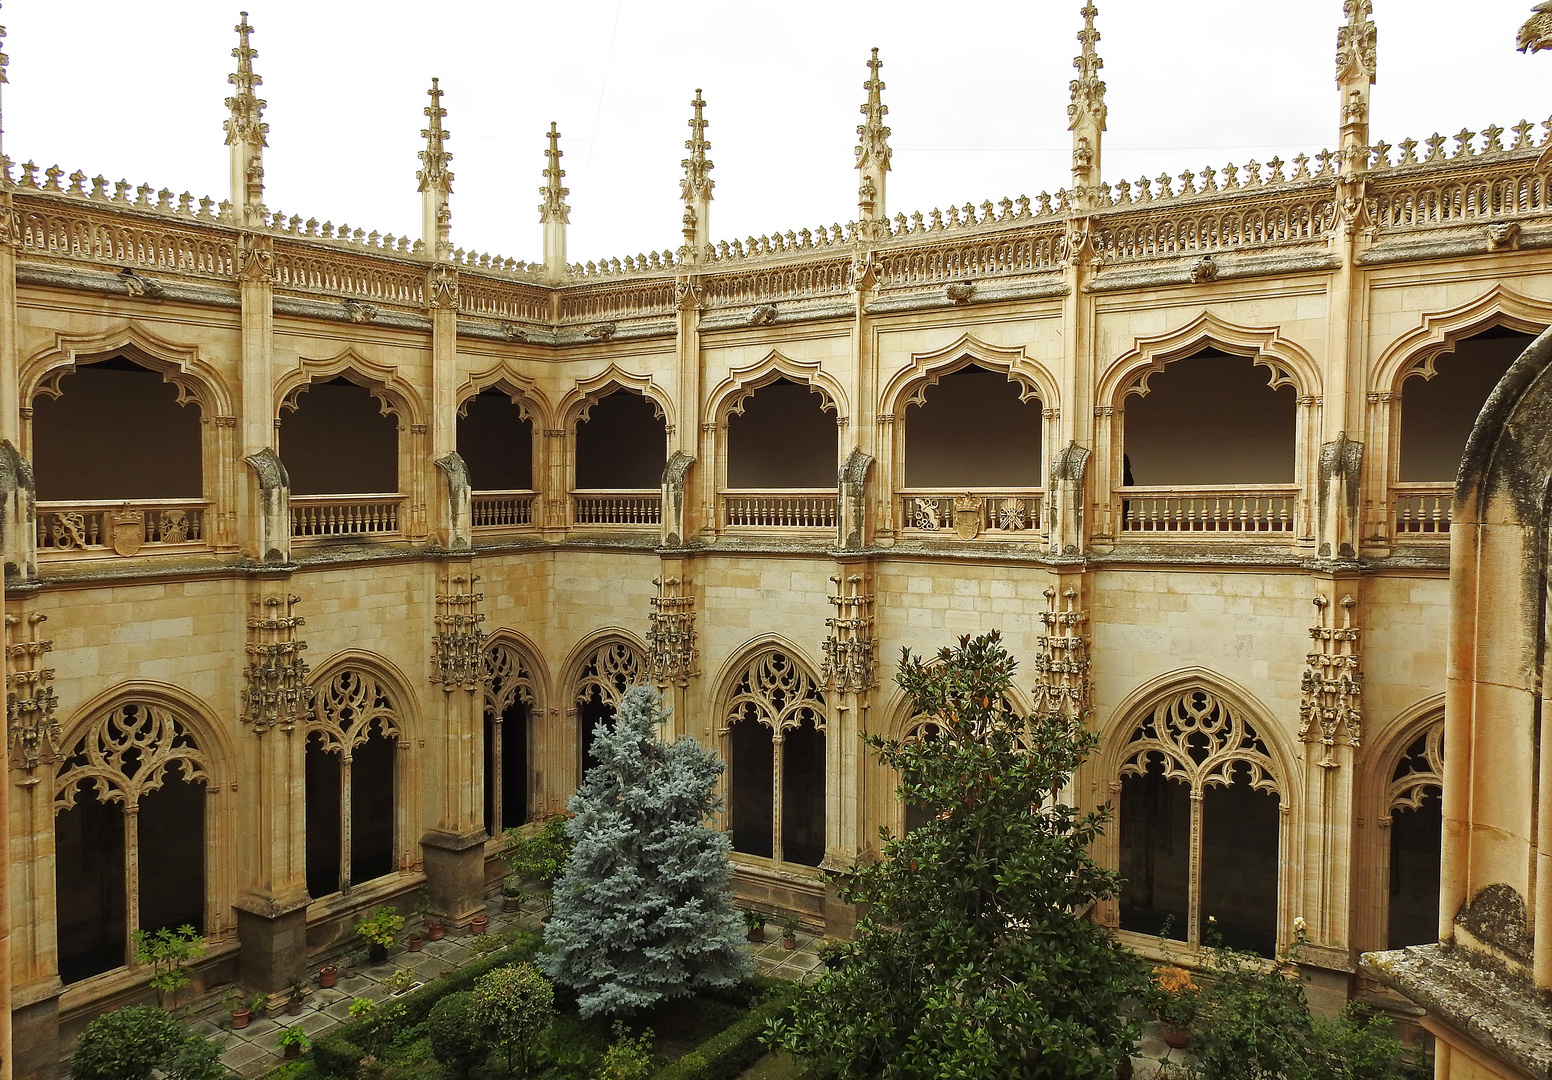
pixel 116 432
pixel 784 438
pixel 1211 420
pixel 508 770
pixel 323 818
pixel 170 842
pixel 1414 873
pixel 590 715
pixel 1437 414
pixel 751 780
pixel 973 431
pixel 623 444
pixel 89 886
pixel 803 795
pixel 371 806
pixel 495 441
pixel 338 442
pixel 1155 829
pixel 1239 866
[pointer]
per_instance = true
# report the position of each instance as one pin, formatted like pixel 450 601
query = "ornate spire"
pixel 697 183
pixel 246 124
pixel 4 60
pixel 554 207
pixel 1355 43
pixel 434 158
pixel 872 149
pixel 1087 90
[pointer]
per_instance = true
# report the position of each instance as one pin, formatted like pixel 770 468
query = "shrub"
pixel 627 1058
pixel 336 1055
pixel 126 1044
pixel 381 927
pixel 731 1051
pixel 455 1040
pixel 167 951
pixel 512 1008
pixel 198 1058
pixel 539 855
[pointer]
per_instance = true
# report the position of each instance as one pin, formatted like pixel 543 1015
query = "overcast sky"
pixel 977 94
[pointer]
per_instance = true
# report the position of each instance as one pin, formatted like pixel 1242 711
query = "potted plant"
pixel 239 1006
pixel 833 953
pixel 328 975
pixel 754 925
pixel 1172 997
pixel 478 924
pixel 415 941
pixel 293 1040
pixel 511 896
pixel 298 995
pixel 435 928
pixel 380 930
pixel 359 1007
pixel 400 981
pixel 789 933
pixel 350 967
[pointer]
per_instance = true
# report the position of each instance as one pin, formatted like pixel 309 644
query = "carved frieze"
pixel 458 645
pixel 1330 699
pixel 671 634
pixel 33 732
pixel 276 692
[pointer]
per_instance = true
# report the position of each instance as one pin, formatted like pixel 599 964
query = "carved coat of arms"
pixel 128 530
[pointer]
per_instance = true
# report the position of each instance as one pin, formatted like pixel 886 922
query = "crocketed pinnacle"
pixel 4 59
pixel 434 158
pixel 1087 90
pixel 246 124
pixel 1355 43
pixel 697 183
pixel 873 149
pixel 554 207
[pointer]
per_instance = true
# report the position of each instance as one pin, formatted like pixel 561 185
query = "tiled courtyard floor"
pixel 255 1049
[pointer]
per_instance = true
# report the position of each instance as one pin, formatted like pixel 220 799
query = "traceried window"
pixel 1199 825
pixel 921 731
pixel 613 668
pixel 352 754
pixel 775 730
pixel 129 835
pixel 509 704
pixel 1415 820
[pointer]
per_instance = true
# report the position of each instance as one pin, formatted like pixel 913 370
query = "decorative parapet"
pixel 1330 692
pixel 1062 683
pixel 33 732
pixel 276 691
pixel 457 646
pixel 850 650
pixel 671 650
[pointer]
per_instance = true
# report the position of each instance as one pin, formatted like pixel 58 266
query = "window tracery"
pixel 345 709
pixel 1199 740
pixel 508 681
pixel 613 668
pixel 128 752
pixel 776 692
pixel 1419 773
pixel 510 699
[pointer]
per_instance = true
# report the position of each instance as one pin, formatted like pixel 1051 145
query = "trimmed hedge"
pixel 339 1052
pixel 735 1047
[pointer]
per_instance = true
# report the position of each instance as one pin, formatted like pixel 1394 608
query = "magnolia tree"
pixel 642 910
pixel 975 957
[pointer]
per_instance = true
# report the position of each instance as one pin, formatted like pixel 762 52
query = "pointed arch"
pixel 732 668
pixel 375 689
pixel 574 407
pixel 1437 333
pixel 195 379
pixel 594 662
pixel 525 393
pixel 1288 362
pixel 728 397
pixel 909 386
pixel 502 688
pixel 395 396
pixel 514 708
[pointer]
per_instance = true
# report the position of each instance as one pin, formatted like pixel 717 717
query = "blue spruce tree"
pixel 642 911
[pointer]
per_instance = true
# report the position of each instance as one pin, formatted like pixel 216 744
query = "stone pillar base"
pixel 840 917
pixel 274 944
pixel 455 874
pixel 35 1030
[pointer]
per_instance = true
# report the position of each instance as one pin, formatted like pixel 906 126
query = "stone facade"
pixel 433 633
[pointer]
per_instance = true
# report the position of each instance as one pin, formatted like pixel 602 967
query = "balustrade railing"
pixel 346 515
pixel 1421 510
pixel 1250 509
pixel 971 512
pixel 108 527
pixel 631 509
pixel 502 509
pixel 784 508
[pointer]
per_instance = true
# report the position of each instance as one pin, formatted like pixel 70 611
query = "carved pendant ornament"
pixel 30 703
pixel 276 693
pixel 1330 699
pixel 851 650
pixel 671 637
pixel 458 645
pixel 1062 658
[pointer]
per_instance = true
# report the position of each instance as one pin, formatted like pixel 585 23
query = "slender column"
pixel 849 676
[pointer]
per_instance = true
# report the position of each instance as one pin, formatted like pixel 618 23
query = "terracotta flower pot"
pixel 293 1051
pixel 350 969
pixel 327 977
pixel 1177 1036
pixel 240 1017
pixel 294 1006
pixel 415 942
pixel 509 903
pixel 756 935
pixel 435 930
pixel 789 942
pixel 478 924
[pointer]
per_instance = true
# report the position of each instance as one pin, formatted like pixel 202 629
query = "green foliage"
pixel 197 1058
pixel 455 1040
pixel 735 1048
pixel 336 1055
pixel 643 911
pixel 126 1044
pixel 399 980
pixel 512 1007
pixel 167 951
pixel 294 1036
pixel 974 958
pixel 754 920
pixel 361 1007
pixel 381 927
pixel 627 1058
pixel 540 854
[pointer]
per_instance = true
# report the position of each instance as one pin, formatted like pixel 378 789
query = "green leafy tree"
pixel 512 1008
pixel 455 1039
pixel 643 911
pixel 126 1044
pixel 975 958
pixel 167 951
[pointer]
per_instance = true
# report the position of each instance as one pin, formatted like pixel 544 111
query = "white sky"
pixel 977 94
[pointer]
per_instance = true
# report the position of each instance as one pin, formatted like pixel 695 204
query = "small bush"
pixel 455 1040
pixel 512 1008
pixel 336 1055
pixel 627 1058
pixel 126 1044
pixel 198 1058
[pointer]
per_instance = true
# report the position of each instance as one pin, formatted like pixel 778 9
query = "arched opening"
pixel 509 702
pixel 622 444
pixel 776 798
pixel 971 431
pixel 337 441
pixel 371 805
pixel 495 441
pixel 608 672
pixel 1416 829
pixel 1195 770
pixel 322 777
pixel 130 794
pixel 1438 410
pixel 783 438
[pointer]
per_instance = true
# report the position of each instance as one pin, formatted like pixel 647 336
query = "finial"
pixel 697 183
pixel 246 124
pixel 1535 35
pixel 1355 42
pixel 554 207
pixel 4 60
pixel 434 157
pixel 874 145
pixel 1087 91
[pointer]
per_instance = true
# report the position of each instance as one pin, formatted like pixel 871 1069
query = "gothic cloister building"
pixel 325 550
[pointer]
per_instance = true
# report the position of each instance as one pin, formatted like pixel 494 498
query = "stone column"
pixel 849 675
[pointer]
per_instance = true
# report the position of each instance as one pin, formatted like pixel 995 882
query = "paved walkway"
pixel 255 1049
